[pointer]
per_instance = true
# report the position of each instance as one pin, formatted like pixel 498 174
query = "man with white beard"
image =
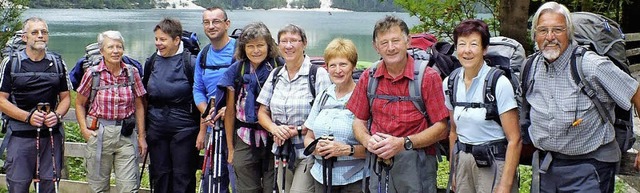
pixel 577 150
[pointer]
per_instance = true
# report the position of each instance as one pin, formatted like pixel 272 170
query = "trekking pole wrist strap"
pixel 29 116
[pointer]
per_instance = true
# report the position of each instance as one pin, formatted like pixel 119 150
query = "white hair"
pixel 553 7
pixel 114 35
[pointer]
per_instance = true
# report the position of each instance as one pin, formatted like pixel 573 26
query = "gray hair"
pixel 33 19
pixel 114 35
pixel 553 7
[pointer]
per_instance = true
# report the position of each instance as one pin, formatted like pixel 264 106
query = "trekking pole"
pixel 37 180
pixel 276 162
pixel 47 110
pixel 219 152
pixel 330 168
pixel 285 158
pixel 144 163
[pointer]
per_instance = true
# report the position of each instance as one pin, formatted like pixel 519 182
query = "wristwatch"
pixel 353 150
pixel 408 145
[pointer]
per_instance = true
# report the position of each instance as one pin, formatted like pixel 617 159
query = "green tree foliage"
pixel 10 20
pixel 440 17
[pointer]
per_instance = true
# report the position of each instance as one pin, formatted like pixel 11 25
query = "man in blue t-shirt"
pixel 218 56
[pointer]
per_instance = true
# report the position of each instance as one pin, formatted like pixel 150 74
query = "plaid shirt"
pixel 400 118
pixel 289 101
pixel 556 102
pixel 113 103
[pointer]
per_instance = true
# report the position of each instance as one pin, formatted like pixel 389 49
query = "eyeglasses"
pixel 285 42
pixel 36 32
pixel 544 31
pixel 208 23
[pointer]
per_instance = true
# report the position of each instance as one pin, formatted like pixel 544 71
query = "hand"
pixel 373 141
pixel 388 147
pixel 329 149
pixel 37 118
pixel 51 119
pixel 86 134
pixel 142 146
pixel 278 141
pixel 230 156
pixel 282 132
pixel 200 139
pixel 220 114
pixel 636 164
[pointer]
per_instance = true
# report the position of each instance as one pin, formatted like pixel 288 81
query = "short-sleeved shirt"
pixel 556 102
pixel 471 126
pixel 399 118
pixel 289 101
pixel 206 80
pixel 337 122
pixel 27 90
pixel 246 105
pixel 115 103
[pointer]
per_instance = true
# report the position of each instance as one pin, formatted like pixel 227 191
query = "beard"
pixel 551 53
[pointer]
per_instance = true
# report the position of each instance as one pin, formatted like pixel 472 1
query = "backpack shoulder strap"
pixel 95 82
pixel 452 86
pixel 373 84
pixel 489 93
pixel 188 67
pixel 16 63
pixel 203 56
pixel 415 87
pixel 274 79
pixel 148 67
pixel 57 61
pixel 313 70
pixel 526 73
pixel 577 74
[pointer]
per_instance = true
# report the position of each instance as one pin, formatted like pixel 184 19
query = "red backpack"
pixel 423 40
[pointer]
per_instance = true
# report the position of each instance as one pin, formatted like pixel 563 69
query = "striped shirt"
pixel 289 102
pixel 556 102
pixel 114 103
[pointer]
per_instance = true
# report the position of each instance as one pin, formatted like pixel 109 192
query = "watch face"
pixel 408 144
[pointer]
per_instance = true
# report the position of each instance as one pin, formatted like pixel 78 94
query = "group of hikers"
pixel 271 121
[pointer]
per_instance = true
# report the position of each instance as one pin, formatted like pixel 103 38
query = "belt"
pixel 117 122
pixel 498 147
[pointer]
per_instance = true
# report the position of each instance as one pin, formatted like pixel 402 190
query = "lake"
pixel 72 29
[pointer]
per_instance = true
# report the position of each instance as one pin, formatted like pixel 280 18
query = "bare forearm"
pixel 430 135
pixel 63 105
pixel 140 117
pixel 229 118
pixel 360 131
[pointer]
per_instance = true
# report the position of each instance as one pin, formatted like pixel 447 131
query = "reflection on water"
pixel 72 29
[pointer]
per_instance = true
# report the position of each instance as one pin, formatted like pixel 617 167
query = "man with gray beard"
pixel 577 150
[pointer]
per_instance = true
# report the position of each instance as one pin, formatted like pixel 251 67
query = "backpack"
pixel 312 80
pixel 190 42
pixel 603 36
pixel 505 56
pixel 150 64
pixel 425 46
pixel 14 44
pixel 203 56
pixel 92 57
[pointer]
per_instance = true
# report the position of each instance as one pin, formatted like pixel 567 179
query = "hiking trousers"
pixel 173 160
pixel 253 167
pixel 21 163
pixel 470 178
pixel 299 180
pixel 118 153
pixel 583 175
pixel 413 171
